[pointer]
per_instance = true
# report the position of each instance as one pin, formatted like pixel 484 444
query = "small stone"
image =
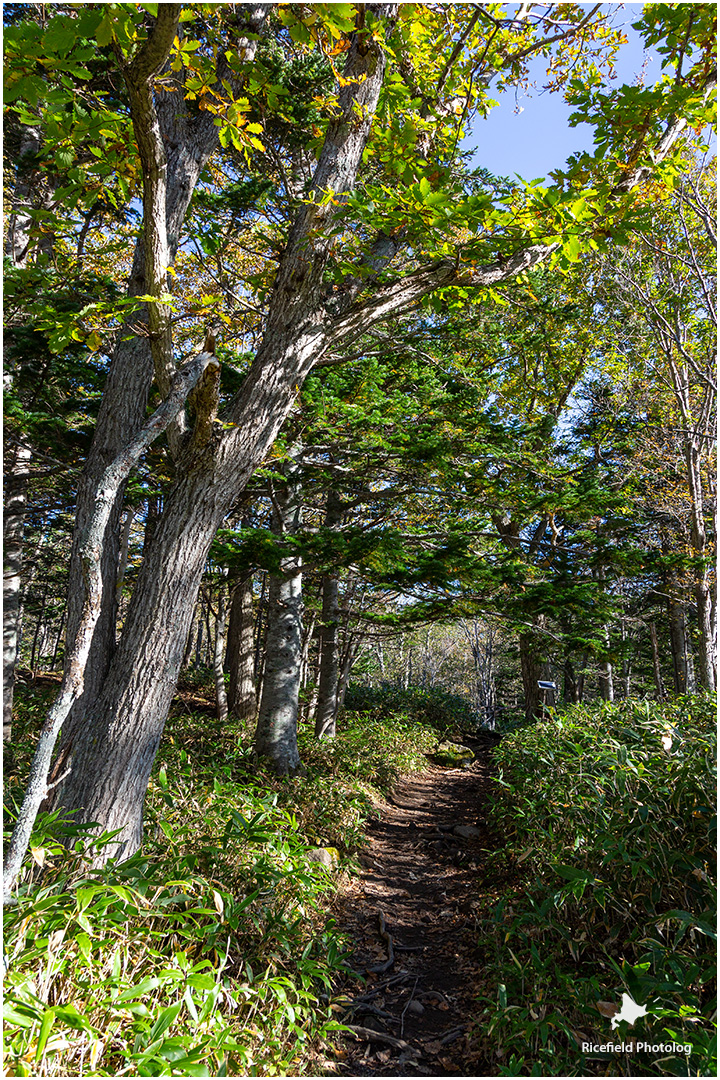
pixel 329 857
pixel 467 832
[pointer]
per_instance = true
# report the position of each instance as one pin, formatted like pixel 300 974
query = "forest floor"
pixel 413 918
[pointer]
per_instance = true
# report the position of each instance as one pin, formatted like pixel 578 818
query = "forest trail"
pixel 420 892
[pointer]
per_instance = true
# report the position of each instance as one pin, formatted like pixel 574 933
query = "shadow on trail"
pixel 413 916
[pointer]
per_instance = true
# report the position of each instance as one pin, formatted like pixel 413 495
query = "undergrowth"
pixel 211 952
pixel 611 810
pixel 438 708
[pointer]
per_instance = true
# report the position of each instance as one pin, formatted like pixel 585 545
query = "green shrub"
pixel 612 807
pixel 151 967
pixel 438 708
pixel 210 952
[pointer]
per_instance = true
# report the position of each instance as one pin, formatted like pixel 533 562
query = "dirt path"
pixel 419 894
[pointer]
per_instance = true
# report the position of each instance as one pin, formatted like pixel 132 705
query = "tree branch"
pixel 139 76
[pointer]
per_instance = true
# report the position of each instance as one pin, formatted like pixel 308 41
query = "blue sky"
pixel 538 139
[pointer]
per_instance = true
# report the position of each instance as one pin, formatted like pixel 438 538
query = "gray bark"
pixel 123 553
pixel 240 653
pixel 276 734
pixel 327 704
pixel 24 196
pixel 606 683
pixel 657 670
pixel 329 673
pixel 16 481
pixel 350 656
pixel 77 656
pixel 191 140
pixel 681 656
pixel 221 697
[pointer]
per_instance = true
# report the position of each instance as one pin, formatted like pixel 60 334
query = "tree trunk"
pixel 276 734
pixel 570 682
pixel 606 685
pixel 190 138
pixel 58 640
pixel 626 662
pixel 111 756
pixel 199 638
pixel 677 616
pixel 240 652
pixel 39 785
pixel 351 655
pixel 327 705
pixel 123 553
pixel 707 675
pixel 25 195
pixel 17 473
pixel 34 656
pixel 221 697
pixel 657 671
pixel 531 666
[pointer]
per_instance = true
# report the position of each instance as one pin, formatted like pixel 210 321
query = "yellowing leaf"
pixel 39 854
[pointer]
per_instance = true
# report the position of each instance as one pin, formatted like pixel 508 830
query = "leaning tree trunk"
pixel 240 653
pixel 39 782
pixel 108 761
pixel 276 734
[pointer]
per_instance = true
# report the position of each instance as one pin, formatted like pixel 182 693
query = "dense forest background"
pixel 305 413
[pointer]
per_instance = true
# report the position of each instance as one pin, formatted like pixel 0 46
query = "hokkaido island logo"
pixel 629 1012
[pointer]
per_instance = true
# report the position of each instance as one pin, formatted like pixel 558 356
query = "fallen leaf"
pixel 607 1008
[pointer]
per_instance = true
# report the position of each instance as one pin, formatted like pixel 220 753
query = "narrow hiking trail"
pixel 413 915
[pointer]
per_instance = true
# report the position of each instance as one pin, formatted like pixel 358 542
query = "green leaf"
pixel 143 987
pixel 164 1020
pixel 45 1028
pixel 84 945
pixel 693 922
pixel 571 873
pixel 104 32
